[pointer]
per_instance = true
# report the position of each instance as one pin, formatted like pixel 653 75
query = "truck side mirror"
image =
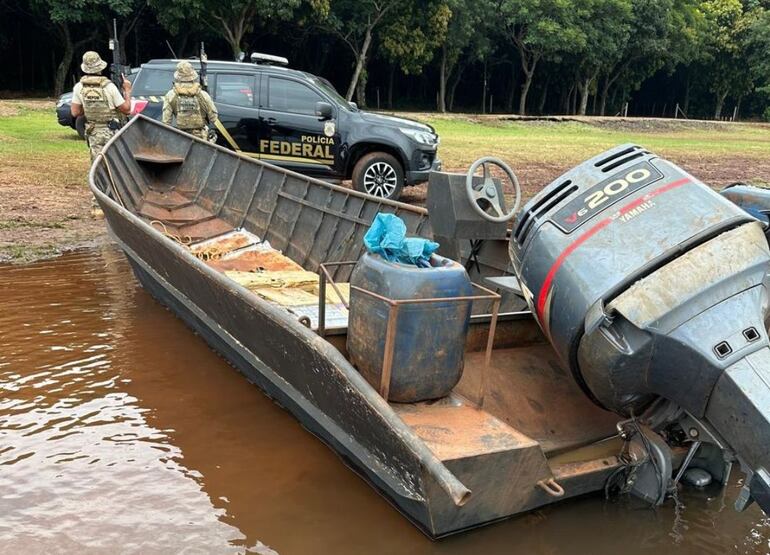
pixel 323 110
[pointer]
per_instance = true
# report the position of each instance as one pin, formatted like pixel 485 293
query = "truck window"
pixel 153 82
pixel 234 89
pixel 290 96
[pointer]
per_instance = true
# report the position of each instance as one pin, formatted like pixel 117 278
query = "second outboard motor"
pixel 653 289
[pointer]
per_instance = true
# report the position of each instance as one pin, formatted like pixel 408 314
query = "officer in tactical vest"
pixel 96 97
pixel 192 106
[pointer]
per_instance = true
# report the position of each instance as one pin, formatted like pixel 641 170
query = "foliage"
pixel 411 37
pixel 558 50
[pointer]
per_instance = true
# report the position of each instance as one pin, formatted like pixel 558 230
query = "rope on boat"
pixel 112 179
pixel 184 241
pixel 211 252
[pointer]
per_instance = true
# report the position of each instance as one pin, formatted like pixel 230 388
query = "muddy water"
pixel 121 432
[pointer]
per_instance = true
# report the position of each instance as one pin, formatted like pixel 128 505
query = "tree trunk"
pixel 360 63
pixel 391 81
pixel 605 92
pixel 65 63
pixel 524 91
pixel 585 89
pixel 442 79
pixel 573 108
pixel 484 90
pixel 511 91
pixel 453 86
pixel 686 104
pixel 568 100
pixel 720 103
pixel 528 67
pixel 543 97
pixel 361 89
pixel 180 44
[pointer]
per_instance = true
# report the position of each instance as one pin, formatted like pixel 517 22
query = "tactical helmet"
pixel 185 73
pixel 92 63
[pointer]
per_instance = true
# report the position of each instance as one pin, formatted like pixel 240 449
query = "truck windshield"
pixel 327 87
pixel 151 81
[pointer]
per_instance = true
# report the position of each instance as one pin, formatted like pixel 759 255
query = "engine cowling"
pixel 650 285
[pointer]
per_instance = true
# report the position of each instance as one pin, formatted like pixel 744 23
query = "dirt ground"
pixel 47 223
pixel 716 172
pixel 45 202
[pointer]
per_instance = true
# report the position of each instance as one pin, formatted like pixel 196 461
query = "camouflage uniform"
pixel 190 104
pixel 99 98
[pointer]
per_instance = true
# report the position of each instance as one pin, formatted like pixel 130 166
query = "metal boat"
pixel 532 419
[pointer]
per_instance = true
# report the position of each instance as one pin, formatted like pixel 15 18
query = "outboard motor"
pixel 653 290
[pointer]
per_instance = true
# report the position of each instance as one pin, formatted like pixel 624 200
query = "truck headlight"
pixel 422 137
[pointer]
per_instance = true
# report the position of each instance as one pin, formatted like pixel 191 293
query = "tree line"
pixel 689 58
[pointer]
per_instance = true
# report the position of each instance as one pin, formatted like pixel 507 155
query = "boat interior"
pixel 270 230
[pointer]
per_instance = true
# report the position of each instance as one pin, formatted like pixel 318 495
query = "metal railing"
pixel 393 309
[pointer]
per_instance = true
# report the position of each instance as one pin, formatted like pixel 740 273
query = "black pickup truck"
pixel 297 120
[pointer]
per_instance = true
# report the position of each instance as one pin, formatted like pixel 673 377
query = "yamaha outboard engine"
pixel 653 289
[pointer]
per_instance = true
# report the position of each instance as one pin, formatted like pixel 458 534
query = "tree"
pixel 411 36
pixel 466 40
pixel 757 45
pixel 537 29
pixel 232 20
pixel 64 17
pixel 653 24
pixel 355 22
pixel 726 27
pixel 605 29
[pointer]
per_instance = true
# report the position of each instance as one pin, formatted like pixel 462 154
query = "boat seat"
pixel 178 215
pixel 491 458
pixel 157 158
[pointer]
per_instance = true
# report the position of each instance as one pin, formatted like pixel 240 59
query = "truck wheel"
pixel 80 126
pixel 379 174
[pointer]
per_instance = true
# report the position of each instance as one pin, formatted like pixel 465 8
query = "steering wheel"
pixel 488 192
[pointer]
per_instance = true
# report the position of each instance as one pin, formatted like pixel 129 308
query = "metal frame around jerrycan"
pixel 393 306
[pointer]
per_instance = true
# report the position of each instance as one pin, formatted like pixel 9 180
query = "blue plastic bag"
pixel 387 237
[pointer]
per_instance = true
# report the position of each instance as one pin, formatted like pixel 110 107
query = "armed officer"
pixel 192 106
pixel 96 97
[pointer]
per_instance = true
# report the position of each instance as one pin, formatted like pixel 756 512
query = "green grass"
pixel 464 140
pixel 36 131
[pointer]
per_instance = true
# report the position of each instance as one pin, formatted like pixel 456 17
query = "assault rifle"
pixel 116 68
pixel 203 75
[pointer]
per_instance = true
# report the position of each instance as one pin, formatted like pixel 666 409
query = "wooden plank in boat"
pixel 252 260
pixel 304 303
pixel 258 280
pixel 222 245
pixel 288 296
pixel 331 294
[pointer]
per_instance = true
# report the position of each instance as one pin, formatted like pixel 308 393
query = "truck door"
pixel 291 135
pixel 235 95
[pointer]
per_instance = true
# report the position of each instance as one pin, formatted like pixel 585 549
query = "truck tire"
pixel 80 126
pixel 379 174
